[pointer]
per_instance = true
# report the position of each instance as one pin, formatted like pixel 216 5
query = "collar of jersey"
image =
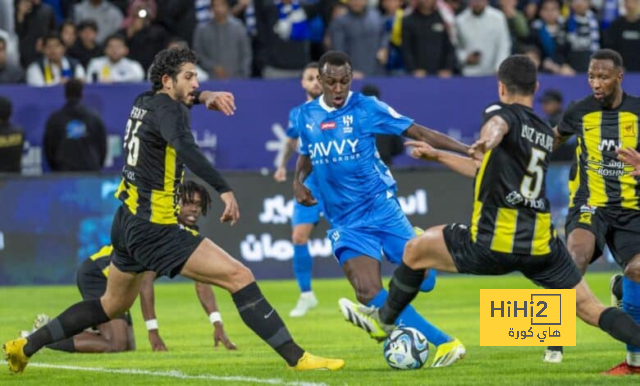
pixel 332 109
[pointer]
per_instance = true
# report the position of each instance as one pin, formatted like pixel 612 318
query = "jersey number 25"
pixel 132 142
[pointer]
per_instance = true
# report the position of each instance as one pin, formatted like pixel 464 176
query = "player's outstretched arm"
pixel 147 303
pixel 174 129
pixel 632 157
pixel 218 100
pixel 492 133
pixel 463 165
pixel 300 191
pixel 289 147
pixel 558 138
pixel 435 139
pixel 208 301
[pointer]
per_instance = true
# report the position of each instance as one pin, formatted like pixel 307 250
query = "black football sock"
pixel 69 323
pixel 555 348
pixel 404 287
pixel 259 316
pixel 620 325
pixel 64 345
pixel 616 289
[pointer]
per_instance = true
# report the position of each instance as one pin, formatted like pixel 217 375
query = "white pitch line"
pixel 175 374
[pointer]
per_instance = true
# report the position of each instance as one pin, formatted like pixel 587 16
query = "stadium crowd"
pixel 45 42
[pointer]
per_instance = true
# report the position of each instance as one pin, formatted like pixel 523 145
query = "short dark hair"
pixel 51 36
pixel 519 75
pixel 371 90
pixel 168 62
pixel 334 58
pixel 608 54
pixel 6 109
pixel 115 36
pixel 187 191
pixel 73 89
pixel 88 23
pixel 178 41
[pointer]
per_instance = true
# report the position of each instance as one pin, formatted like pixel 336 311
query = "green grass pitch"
pixel 191 359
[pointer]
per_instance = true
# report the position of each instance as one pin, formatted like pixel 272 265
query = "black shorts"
pixel 92 284
pixel 617 228
pixel 553 271
pixel 140 245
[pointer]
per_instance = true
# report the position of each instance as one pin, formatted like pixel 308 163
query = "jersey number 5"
pixel 535 173
pixel 132 142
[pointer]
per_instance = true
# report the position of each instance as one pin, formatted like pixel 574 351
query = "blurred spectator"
pixel 54 67
pixel 106 15
pixel 68 33
pixel 179 43
pixel 9 72
pixel 62 9
pixel 75 138
pixel 426 47
pixel 223 44
pixel 483 39
pixel 583 35
pixel 6 15
pixel 533 53
pixel 517 22
pixel 624 36
pixel 144 38
pixel 283 33
pixel 391 55
pixel 178 17
pixel 86 46
pixel 114 67
pixel 11 46
pixel 388 146
pixel 11 140
pixel 548 34
pixel 33 21
pixel 360 33
pixel 551 101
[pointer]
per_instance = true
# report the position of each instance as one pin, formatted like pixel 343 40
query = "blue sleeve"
pixel 304 140
pixel 292 130
pixel 383 119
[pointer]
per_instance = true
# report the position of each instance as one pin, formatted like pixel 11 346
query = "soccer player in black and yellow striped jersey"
pixel 510 226
pixel 604 207
pixel 145 233
pixel 117 334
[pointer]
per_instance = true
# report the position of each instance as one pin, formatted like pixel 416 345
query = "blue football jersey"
pixel 341 144
pixel 293 132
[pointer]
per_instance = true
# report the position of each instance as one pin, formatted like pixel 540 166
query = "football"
pixel 406 349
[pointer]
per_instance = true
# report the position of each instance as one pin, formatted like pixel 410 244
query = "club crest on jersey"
pixel 629 130
pixel 347 121
pixel 327 125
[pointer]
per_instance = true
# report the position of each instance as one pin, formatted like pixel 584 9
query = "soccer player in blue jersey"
pixel 337 147
pixel 304 217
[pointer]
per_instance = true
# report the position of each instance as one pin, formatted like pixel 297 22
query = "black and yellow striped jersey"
pixel 511 211
pixel 152 171
pixel 103 259
pixel 598 178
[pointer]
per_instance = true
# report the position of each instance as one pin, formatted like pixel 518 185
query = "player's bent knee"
pixel 115 307
pixel 581 256
pixel 239 278
pixel 416 250
pixel 299 236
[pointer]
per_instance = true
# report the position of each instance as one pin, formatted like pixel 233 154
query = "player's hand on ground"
pixel 631 157
pixel 219 336
pixel 477 150
pixel 219 101
pixel 231 209
pixel 280 175
pixel 422 150
pixel 303 195
pixel 156 341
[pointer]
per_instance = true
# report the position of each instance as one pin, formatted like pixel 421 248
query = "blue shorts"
pixel 385 228
pixel 306 214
